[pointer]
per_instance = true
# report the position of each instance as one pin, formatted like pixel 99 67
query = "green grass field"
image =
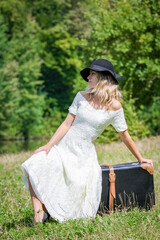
pixel 16 208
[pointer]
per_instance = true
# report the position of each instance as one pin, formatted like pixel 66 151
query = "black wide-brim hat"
pixel 100 65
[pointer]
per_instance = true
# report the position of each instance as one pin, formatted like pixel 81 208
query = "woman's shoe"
pixel 30 224
pixel 46 217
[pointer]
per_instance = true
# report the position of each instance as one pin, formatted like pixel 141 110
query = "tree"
pixel 20 85
pixel 27 50
pixel 127 33
pixel 61 65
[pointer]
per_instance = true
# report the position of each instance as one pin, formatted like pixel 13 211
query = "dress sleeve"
pixel 118 121
pixel 73 107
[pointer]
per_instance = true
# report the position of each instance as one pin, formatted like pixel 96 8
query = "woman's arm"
pixel 126 138
pixel 61 131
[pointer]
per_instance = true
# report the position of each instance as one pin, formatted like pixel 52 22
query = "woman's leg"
pixel 44 208
pixel 38 207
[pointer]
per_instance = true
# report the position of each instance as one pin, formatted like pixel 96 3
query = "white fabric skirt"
pixel 68 181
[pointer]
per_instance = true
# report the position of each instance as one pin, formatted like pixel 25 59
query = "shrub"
pixel 150 115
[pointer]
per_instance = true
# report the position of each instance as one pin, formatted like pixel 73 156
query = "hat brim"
pixel 86 71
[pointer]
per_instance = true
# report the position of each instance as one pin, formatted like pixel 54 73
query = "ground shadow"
pixel 23 222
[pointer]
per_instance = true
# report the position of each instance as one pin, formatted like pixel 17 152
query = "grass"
pixel 16 208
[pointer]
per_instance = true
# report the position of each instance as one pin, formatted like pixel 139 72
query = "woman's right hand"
pixel 45 148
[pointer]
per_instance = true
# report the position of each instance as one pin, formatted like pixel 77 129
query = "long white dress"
pixel 68 181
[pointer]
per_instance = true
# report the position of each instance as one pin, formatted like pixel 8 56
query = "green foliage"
pixel 136 127
pixel 9 94
pixel 44 45
pixel 60 70
pixel 21 105
pixel 61 64
pixel 150 115
pixel 9 100
pixel 3 40
pixel 21 145
pixel 127 33
pixel 48 13
pixel 27 49
pixel 15 15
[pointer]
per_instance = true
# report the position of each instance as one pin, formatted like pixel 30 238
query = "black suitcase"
pixel 134 187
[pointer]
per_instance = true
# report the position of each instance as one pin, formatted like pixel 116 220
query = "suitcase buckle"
pixel 112 177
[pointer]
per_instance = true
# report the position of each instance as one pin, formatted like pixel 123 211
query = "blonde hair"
pixel 106 90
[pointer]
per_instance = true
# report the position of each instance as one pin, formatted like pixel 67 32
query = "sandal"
pixel 45 218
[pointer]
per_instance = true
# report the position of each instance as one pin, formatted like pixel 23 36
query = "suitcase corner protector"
pixel 148 167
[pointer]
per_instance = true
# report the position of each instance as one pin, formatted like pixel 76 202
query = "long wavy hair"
pixel 106 90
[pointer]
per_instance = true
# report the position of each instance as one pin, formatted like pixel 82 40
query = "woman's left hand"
pixel 144 160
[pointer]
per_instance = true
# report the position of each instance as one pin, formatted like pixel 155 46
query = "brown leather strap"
pixel 112 191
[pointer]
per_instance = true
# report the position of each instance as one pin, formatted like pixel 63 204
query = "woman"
pixel 64 177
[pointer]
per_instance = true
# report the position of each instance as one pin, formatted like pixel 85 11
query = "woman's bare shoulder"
pixel 116 105
pixel 83 93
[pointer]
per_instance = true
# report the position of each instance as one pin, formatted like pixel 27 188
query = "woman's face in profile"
pixel 92 79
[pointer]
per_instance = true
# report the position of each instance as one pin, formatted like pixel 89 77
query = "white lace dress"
pixel 68 180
